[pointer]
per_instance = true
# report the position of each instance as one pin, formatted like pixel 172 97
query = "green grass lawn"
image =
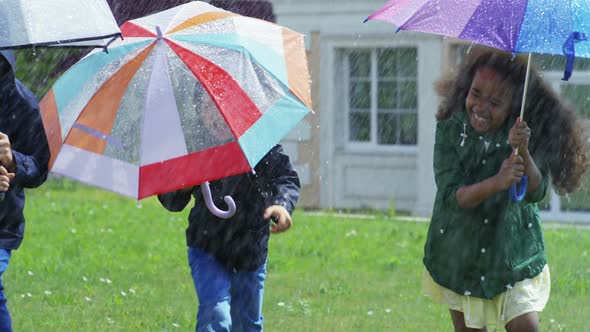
pixel 94 261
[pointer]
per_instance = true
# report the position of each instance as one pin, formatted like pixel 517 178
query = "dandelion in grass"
pixel 281 304
pixel 74 231
pixel 351 233
pixel 30 273
pixel 131 290
pixel 123 293
pixel 84 278
pixel 23 296
pixel 176 325
pixel 108 281
pixel 47 292
pixel 303 303
pixel 87 299
pixel 101 279
pixel 388 310
pixel 110 321
pixel 29 294
pixel 370 312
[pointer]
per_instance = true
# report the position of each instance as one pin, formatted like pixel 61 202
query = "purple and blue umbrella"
pixel 555 27
pixel 519 26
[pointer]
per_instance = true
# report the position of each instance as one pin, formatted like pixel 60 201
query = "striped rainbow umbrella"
pixel 192 94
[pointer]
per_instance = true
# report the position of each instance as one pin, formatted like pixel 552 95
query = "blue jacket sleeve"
pixel 30 151
pixel 279 176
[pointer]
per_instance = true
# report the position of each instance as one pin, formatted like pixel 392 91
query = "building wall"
pixel 341 177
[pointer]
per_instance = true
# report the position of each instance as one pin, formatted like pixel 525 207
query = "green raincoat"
pixel 480 251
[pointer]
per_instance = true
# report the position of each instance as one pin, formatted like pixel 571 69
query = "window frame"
pixel 372 146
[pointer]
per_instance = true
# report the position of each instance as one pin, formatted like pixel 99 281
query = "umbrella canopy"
pixel 76 23
pixel 191 94
pixel 519 26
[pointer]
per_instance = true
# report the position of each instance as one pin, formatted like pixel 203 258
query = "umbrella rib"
pixel 516 46
pixel 469 20
pixel 88 115
pixel 173 20
pixel 400 27
pixel 65 43
pixel 240 47
pixel 234 97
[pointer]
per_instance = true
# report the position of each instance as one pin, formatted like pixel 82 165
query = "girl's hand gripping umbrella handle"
pixel 518 195
pixel 214 209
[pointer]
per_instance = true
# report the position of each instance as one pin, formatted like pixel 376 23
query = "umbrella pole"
pixel 517 194
pixel 526 85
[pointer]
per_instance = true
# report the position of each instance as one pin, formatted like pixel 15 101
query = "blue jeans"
pixel 228 300
pixel 5 321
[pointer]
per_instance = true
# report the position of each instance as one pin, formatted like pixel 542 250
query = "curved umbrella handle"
pixel 214 209
pixel 518 196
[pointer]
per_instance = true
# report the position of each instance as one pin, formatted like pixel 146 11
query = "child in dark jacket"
pixel 24 158
pixel 227 257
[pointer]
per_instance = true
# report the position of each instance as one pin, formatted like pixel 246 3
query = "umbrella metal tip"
pixel 159 32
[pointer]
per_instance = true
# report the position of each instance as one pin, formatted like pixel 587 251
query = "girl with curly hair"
pixel 484 254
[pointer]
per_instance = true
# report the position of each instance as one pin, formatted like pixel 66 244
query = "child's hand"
pixel 6 157
pixel 281 218
pixel 511 172
pixel 5 178
pixel 519 135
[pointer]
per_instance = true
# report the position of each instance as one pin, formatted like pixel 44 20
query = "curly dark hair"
pixel 558 140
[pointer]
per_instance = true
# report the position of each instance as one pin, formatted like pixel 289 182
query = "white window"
pixel 380 85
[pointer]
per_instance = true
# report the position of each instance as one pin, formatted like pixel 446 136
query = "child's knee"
pixel 215 316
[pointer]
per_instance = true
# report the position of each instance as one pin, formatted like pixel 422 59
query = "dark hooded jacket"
pixel 240 242
pixel 20 119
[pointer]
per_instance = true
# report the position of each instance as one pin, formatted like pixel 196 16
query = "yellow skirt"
pixel 526 296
